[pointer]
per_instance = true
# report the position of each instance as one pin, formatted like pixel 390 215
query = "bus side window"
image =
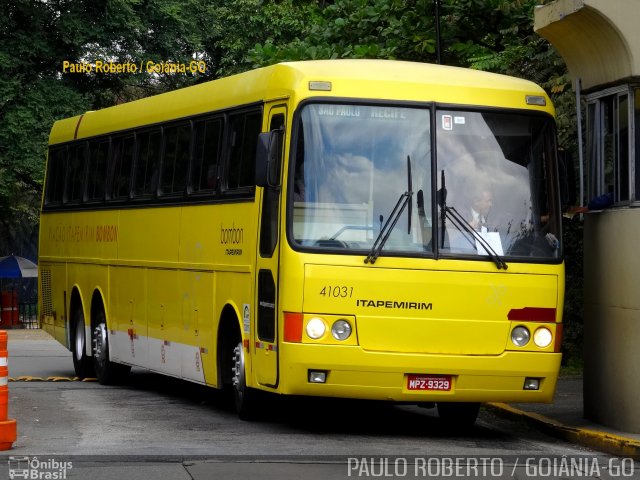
pixel 76 175
pixel 175 163
pixel 121 163
pixel 205 170
pixel 147 160
pixel 57 167
pixel 243 138
pixel 98 155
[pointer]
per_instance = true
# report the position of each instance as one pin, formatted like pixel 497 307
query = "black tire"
pixel 245 398
pixel 459 415
pixel 82 363
pixel 107 372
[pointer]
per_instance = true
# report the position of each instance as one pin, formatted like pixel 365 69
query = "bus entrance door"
pixel 265 358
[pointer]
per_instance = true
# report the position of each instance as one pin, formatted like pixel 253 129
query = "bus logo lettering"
pixel 107 233
pixel 392 304
pixel 231 235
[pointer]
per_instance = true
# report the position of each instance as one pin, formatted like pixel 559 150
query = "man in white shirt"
pixel 480 206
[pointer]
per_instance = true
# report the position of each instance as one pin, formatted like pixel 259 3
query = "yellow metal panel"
pixel 164 312
pixel 149 234
pixel 64 130
pixel 424 311
pixel 128 313
pixel 197 295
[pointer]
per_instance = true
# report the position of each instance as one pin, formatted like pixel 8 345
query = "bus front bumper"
pixel 352 372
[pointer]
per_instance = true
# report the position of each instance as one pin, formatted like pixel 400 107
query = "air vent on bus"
pixel 45 289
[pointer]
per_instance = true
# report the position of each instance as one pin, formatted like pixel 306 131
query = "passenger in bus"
pixel 480 206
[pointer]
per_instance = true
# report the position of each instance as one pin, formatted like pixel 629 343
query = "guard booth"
pixel 600 43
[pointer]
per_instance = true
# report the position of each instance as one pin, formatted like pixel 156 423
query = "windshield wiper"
pixel 461 224
pixel 385 231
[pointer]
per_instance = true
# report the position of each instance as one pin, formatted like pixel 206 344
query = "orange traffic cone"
pixel 8 428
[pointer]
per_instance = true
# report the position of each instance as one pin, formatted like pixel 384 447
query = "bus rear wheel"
pixel 82 363
pixel 459 415
pixel 107 372
pixel 245 397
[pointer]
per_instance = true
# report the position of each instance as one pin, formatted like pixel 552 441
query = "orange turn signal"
pixel 293 327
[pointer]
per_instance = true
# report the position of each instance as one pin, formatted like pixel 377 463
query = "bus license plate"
pixel 440 383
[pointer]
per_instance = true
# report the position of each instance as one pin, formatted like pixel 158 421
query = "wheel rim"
pixel 237 372
pixel 100 344
pixel 79 331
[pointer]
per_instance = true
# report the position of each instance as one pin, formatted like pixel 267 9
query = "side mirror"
pixel 268 159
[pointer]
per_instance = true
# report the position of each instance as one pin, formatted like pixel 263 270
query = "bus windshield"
pixel 354 162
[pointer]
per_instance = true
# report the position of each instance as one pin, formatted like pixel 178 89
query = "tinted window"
pixel 75 176
pixel 122 162
pixel 98 155
pixel 176 159
pixel 243 137
pixel 146 170
pixel 208 134
pixel 57 167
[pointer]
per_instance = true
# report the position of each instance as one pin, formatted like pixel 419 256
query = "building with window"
pixel 600 43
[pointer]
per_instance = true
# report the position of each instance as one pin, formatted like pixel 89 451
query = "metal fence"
pixel 28 315
pixel 16 312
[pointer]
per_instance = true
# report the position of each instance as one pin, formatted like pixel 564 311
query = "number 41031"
pixel 337 291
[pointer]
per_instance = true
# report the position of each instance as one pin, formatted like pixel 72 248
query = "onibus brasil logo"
pixel 36 469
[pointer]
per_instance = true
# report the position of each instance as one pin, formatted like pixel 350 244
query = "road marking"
pixel 28 378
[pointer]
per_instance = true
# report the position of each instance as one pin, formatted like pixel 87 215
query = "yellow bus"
pixel 351 228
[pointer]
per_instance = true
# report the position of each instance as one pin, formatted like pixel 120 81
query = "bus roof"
pixel 363 79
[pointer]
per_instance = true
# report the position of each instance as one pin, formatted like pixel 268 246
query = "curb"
pixel 602 441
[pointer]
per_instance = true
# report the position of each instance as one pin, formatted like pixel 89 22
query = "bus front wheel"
pixel 82 363
pixel 245 397
pixel 108 372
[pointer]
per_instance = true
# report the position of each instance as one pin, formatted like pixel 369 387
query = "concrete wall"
pixel 598 39
pixel 612 318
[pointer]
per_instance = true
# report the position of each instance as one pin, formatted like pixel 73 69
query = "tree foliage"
pixel 32 96
pixel 37 37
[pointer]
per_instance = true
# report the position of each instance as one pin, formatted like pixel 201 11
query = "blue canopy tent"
pixel 17 267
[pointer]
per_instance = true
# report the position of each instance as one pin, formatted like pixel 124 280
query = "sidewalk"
pixel 26 357
pixel 562 419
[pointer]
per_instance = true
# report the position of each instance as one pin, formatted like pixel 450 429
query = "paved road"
pixel 156 427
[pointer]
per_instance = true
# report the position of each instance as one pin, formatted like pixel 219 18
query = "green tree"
pixel 30 99
pixel 36 38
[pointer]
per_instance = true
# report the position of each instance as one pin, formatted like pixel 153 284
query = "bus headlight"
pixel 520 336
pixel 341 330
pixel 316 328
pixel 542 337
